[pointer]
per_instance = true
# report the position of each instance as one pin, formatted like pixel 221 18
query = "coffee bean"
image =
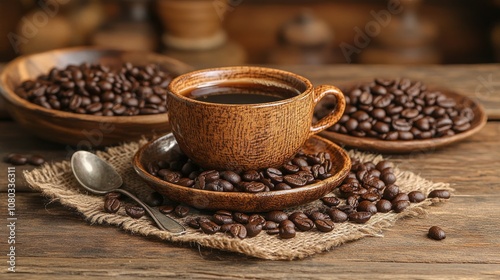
pixel 400 196
pixel 384 206
pixel 240 217
pixel 111 204
pixel 330 201
pixel 253 187
pixel 400 205
pixel 253 229
pixel 360 217
pixel 436 233
pixel 303 223
pixel 222 217
pixel 238 231
pixel 416 196
pixel 324 225
pixel 256 218
pixel 367 206
pixel 16 159
pixel 337 216
pixel 295 180
pixel 231 177
pixel 193 223
pixel 209 227
pixel 439 194
pixel 166 209
pixel 391 192
pixel 274 174
pixel 252 175
pixel 135 212
pixel 287 229
pixel 270 225
pixel 36 160
pixel 276 216
pixel 317 215
pixel 181 211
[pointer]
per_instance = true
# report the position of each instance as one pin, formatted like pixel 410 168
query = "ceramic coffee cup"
pixel 245 118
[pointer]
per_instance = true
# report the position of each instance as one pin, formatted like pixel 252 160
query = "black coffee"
pixel 241 93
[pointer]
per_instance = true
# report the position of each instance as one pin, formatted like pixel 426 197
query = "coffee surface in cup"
pixel 241 93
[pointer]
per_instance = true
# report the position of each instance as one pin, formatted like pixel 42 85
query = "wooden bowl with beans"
pixel 402 116
pixel 90 97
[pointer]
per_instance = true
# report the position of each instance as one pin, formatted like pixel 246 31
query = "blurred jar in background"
pixel 129 26
pixel 51 24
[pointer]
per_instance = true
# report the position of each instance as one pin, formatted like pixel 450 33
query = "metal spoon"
pixel 98 177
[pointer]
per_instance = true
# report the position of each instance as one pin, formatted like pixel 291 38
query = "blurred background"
pixel 227 32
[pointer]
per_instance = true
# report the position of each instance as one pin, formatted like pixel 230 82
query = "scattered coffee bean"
pixel 111 204
pixel 416 196
pixel 181 211
pixel 360 217
pixel 337 216
pixel 16 159
pixel 95 89
pixel 166 209
pixel 134 211
pixel 330 201
pixel 324 225
pixel 222 217
pixel 276 216
pixel 439 194
pixel 303 224
pixel 367 206
pixel 287 229
pixel 36 160
pixel 240 217
pixel 400 110
pixel 209 227
pixel 238 231
pixel 384 206
pixel 400 205
pixel 436 233
pixel 253 228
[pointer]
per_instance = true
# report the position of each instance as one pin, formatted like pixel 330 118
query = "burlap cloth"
pixel 56 181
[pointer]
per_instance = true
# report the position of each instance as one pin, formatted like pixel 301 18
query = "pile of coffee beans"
pixel 21 159
pixel 97 90
pixel 368 189
pixel 301 170
pixel 398 109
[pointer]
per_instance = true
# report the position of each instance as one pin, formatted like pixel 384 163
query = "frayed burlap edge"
pixel 55 181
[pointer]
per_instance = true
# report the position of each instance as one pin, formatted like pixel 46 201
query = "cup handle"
pixel 330 119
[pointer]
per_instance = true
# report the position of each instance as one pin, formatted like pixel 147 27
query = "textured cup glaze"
pixel 246 136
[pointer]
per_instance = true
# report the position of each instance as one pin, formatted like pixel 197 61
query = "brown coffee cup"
pixel 264 132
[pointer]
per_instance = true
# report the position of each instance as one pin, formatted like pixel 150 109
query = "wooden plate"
pixel 81 130
pixel 400 146
pixel 163 147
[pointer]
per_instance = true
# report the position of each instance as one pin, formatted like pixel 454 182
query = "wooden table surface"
pixel 53 242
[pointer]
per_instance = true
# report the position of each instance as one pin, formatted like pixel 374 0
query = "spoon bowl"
pixel 98 177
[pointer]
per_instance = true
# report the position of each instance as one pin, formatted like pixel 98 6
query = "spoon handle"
pixel 163 221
